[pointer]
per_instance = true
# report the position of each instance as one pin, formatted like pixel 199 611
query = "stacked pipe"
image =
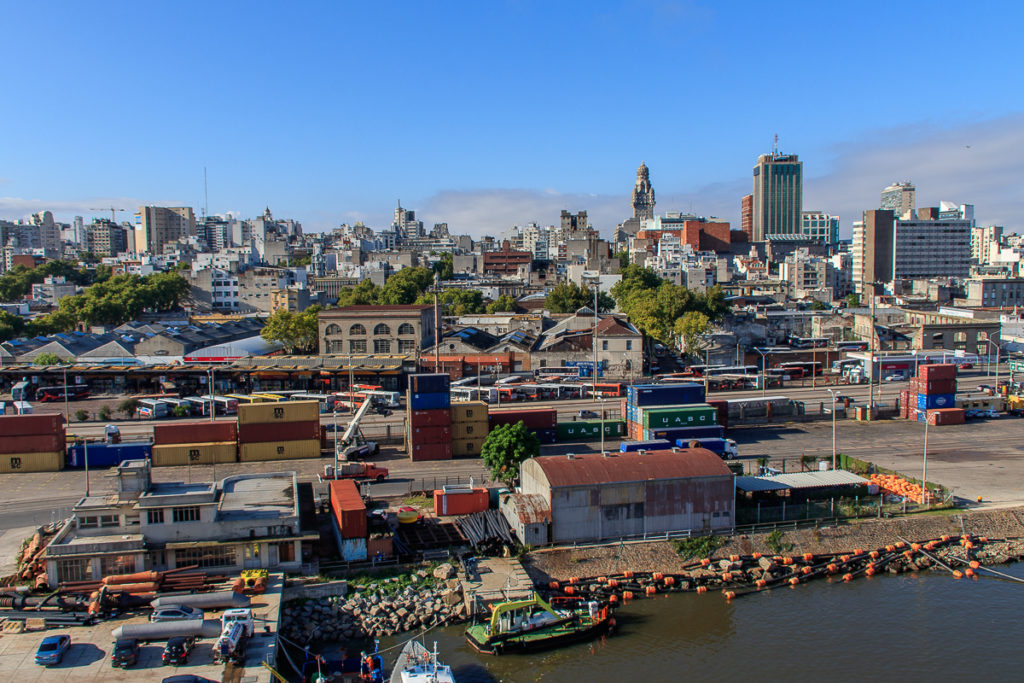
pixel 428 430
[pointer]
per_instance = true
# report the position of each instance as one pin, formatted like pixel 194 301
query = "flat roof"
pixel 251 495
pixel 801 480
pixel 178 493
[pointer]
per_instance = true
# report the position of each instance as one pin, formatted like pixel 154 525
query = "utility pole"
pixel 437 328
pixel 594 337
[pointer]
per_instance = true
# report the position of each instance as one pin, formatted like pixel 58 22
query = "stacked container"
pixel 428 430
pixel 195 443
pixel 469 428
pixel 541 421
pixel 32 443
pixel 641 398
pixel 933 389
pixel 278 431
pixel 582 430
pixel 349 513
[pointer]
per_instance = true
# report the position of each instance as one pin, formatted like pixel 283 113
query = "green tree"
pixel 852 300
pixel 48 359
pixel 444 267
pixel 105 413
pixel 568 297
pixel 11 326
pixel 623 257
pixel 181 411
pixel 81 415
pixel 689 328
pixel 506 448
pixel 503 304
pixel 297 331
pixel 128 407
pixel 819 305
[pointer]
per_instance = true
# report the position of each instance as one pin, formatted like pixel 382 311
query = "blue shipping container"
pixel 430 401
pixel 715 445
pixel 933 401
pixel 632 446
pixel 546 435
pixel 429 383
pixel 665 394
pixel 674 433
pixel 107 455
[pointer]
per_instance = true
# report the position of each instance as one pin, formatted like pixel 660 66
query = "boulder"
pixel 444 571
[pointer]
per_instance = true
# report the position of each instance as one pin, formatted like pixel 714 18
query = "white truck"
pixel 237 627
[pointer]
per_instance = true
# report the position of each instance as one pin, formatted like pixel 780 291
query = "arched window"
pixel 333 329
pixel 357 329
pixel 406 328
pixel 959 337
pixel 382 329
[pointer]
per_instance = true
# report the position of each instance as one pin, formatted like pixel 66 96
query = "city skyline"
pixel 339 112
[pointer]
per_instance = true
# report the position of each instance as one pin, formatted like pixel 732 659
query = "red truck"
pixel 354 470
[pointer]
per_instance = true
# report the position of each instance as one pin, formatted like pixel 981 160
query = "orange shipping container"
pixel 461 502
pixel 348 508
pixel 28 425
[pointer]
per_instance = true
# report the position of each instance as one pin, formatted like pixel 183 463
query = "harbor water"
pixel 912 627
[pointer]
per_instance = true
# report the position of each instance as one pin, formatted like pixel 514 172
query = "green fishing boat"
pixel 534 624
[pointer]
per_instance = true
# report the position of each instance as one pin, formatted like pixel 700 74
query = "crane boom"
pixel 353 426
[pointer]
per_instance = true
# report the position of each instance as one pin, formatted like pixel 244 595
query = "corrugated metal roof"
pixel 594 468
pixel 758 484
pixel 531 508
pixel 800 480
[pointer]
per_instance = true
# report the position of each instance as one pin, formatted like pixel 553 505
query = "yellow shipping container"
pixel 469 411
pixel 462 448
pixel 279 450
pixel 470 430
pixel 298 411
pixel 195 453
pixel 31 462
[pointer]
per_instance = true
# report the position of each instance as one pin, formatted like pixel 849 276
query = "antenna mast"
pixel 206 196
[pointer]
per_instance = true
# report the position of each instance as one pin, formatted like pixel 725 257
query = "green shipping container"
pixel 591 429
pixel 701 415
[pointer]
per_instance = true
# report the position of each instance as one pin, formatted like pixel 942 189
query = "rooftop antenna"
pixel 206 196
pixel 775 145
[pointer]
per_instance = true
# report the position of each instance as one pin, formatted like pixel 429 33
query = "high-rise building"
pixel 820 226
pixel 574 224
pixel 921 245
pixel 156 226
pixel 643 194
pixel 405 223
pixel 778 195
pixel 105 238
pixel 747 216
pixel 898 198
pixel 982 240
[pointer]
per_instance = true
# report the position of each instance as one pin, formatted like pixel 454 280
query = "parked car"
pixel 896 377
pixel 125 653
pixel 175 613
pixel 587 415
pixel 177 649
pixel 186 678
pixel 966 366
pixel 52 650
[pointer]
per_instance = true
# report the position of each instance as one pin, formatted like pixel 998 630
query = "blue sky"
pixel 489 113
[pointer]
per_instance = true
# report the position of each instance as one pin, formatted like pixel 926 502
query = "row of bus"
pixel 155 407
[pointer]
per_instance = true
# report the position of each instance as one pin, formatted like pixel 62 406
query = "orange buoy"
pixel 890 548
pixel 858 551
pixel 612 583
pixel 915 546
pixel 806 570
pixel 844 558
pixel 760 583
pixel 657 576
pixel 727 576
pixel 702 589
pixel 874 555
pixel 982 539
pixel 627 595
pixel 944 537
pixel 832 568
pixel 651 590
pixel 670 580
pixel 729 595
pixel 628 573
pixel 756 556
pixel 957 574
pixel 613 599
pixel 553 585
pixel 808 557
pixel 787 560
pixel 705 562
pixel 734 558
pixel 975 564
pixel 908 554
pixel 794 581
pixel 574 579
pixel 602 579
pixel 569 590
pixel 969 573
pixel 847 577
pixel 870 571
pixel 968 545
pixel 901 544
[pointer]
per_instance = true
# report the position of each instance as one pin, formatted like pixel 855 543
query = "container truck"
pixel 723 448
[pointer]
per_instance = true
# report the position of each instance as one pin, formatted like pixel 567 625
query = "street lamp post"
pixel 764 371
pixel 924 468
pixel 67 413
pixel 989 341
pixel 832 394
pixel 602 425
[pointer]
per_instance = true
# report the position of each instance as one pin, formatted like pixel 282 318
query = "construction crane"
pixel 111 210
pixel 352 442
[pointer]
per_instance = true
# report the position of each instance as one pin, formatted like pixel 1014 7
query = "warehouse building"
pixel 594 497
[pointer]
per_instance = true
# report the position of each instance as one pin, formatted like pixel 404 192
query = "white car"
pixel 175 613
pixel 894 378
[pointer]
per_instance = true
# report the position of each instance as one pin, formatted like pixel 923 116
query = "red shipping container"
pixel 914 385
pixel 461 503
pixel 348 508
pixel 430 418
pixel 38 443
pixel 431 435
pixel 31 425
pixel 278 431
pixel 535 418
pixel 431 451
pixel 622 409
pixel 723 411
pixel 946 416
pixel 936 371
pixel 195 432
pixel 936 386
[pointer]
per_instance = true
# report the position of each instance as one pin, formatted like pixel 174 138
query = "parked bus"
pixel 785 373
pixel 360 388
pixel 730 370
pixel 508 394
pixel 388 399
pixel 274 398
pixel 154 408
pixel 22 391
pixel 852 346
pixel 808 342
pixel 486 394
pixel 348 399
pixel 223 405
pixel 810 368
pixel 839 366
pixel 604 389
pixel 174 403
pixel 74 392
pixel 245 398
pixel 326 402
pixel 701 370
pixel 557 372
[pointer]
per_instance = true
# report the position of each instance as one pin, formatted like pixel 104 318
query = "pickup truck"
pixel 354 470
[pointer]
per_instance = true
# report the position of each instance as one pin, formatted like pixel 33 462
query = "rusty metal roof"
pixel 531 508
pixel 594 468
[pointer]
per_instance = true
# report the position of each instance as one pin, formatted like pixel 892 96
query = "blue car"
pixel 52 650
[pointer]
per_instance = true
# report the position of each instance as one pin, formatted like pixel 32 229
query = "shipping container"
pixel 290 411
pixel 469 411
pixel 697 415
pixel 665 394
pixel 278 431
pixel 714 432
pixel 430 418
pixel 196 432
pixel 723 411
pixel 281 450
pixel 429 383
pixel 431 434
pixel 936 386
pixel 170 455
pixel 470 430
pixel 467 448
pixel 426 401
pixel 348 508
pixel 39 443
pixel 936 371
pixel 354 549
pixel 534 418
pixel 546 435
pixel 31 425
pixel 654 445
pixel 12 463
pixel 107 454
pixel 764 406
pixel 460 500
pixel 430 451
pixel 946 416
pixel 933 401
pixel 590 429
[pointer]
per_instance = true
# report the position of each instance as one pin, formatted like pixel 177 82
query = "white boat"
pixel 417 664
